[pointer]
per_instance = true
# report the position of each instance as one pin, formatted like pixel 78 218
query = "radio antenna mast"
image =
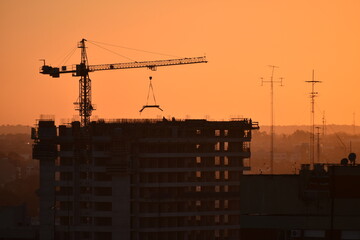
pixel 272 114
pixel 324 124
pixel 313 94
pixel 354 124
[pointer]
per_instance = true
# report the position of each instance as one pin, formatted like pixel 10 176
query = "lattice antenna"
pixel 323 124
pixel 313 94
pixel 354 124
pixel 318 150
pixel 272 81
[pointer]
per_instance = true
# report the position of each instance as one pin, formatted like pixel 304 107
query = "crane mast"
pixel 84 105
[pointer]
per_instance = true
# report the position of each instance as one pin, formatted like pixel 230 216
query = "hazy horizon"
pixel 279 129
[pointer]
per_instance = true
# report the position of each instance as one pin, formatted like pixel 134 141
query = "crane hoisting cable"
pixel 147 100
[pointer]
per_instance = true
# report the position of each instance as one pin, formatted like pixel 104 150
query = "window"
pixel 198 188
pixel 226 188
pixel 226 161
pixel 198 203
pixel 217 188
pixel 198 159
pixel 103 221
pixel 226 175
pixel 217 175
pixel 226 218
pixel 217 160
pixel 226 146
pixel 198 174
pixel 226 203
pixel 57 176
pixel 217 219
pixel 217 146
pixel 217 133
pixel 217 204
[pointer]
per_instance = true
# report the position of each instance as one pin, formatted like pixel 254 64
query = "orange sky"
pixel 239 38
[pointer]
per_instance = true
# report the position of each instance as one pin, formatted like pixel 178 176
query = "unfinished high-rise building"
pixel 141 179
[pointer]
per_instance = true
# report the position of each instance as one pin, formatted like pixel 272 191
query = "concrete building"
pixel 141 179
pixel 323 203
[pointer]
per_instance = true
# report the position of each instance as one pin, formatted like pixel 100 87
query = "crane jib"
pixel 147 64
pixel 82 70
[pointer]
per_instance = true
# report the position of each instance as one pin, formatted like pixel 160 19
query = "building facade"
pixel 141 179
pixel 322 204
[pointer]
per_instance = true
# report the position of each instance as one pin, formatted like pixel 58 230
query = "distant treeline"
pixel 280 129
pixel 329 129
pixel 14 129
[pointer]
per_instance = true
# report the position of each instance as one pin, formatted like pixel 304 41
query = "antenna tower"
pixel 318 144
pixel 324 124
pixel 313 94
pixel 354 124
pixel 272 114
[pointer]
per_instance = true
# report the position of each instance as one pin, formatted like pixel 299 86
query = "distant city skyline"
pixel 239 38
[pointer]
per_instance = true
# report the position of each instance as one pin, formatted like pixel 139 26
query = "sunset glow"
pixel 239 38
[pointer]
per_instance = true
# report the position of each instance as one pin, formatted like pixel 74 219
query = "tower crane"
pixel 84 105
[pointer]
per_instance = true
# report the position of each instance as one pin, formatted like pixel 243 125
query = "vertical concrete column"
pixel 121 207
pixel 47 199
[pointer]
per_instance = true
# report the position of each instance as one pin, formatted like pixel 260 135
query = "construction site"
pixel 138 179
pixel 142 179
pixel 171 178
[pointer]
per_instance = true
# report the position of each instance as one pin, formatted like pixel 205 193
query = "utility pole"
pixel 324 124
pixel 313 94
pixel 272 114
pixel 354 125
pixel 318 144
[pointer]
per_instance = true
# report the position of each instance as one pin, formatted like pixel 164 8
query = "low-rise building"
pixel 323 203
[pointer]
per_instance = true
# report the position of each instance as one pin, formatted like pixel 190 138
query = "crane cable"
pixel 134 49
pixel 152 90
pixel 67 57
pixel 147 99
pixel 111 51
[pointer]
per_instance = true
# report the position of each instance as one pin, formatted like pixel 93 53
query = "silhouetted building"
pixel 16 225
pixel 141 179
pixel 323 203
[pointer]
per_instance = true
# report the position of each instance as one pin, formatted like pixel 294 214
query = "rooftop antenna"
pixel 318 144
pixel 324 124
pixel 313 94
pixel 354 126
pixel 272 114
